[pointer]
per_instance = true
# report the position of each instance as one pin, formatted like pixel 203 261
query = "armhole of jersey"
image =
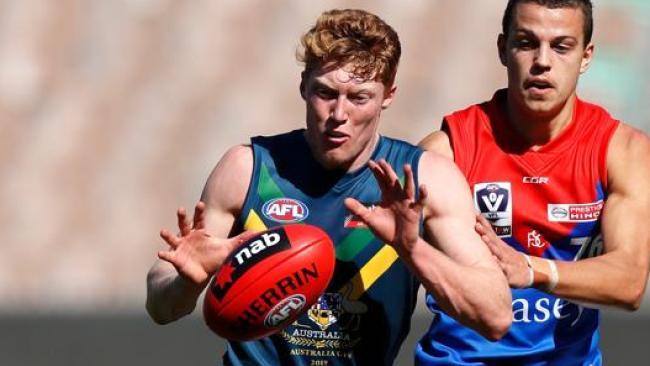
pixel 452 127
pixel 252 186
pixel 604 152
pixel 415 166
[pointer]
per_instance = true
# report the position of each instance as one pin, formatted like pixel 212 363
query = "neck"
pixel 365 155
pixel 537 128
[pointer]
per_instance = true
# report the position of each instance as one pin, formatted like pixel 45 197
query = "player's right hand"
pixel 396 220
pixel 195 253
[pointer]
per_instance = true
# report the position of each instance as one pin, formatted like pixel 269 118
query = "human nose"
pixel 542 59
pixel 339 113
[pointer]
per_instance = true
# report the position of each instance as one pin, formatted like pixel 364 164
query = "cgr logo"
pixel 535 180
pixel 285 210
pixel 284 310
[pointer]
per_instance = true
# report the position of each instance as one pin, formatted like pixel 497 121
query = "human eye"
pixel 360 99
pixel 325 93
pixel 563 47
pixel 524 43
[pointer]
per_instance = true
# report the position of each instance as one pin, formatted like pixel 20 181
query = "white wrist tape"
pixel 531 272
pixel 554 276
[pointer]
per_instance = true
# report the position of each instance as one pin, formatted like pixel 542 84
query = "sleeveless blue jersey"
pixel 364 315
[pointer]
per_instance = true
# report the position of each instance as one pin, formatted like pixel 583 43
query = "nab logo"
pixel 285 210
pixel 267 240
pixel 284 310
pixel 494 200
pixel 246 256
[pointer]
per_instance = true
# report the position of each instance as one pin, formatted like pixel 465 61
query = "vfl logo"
pixel 247 255
pixel 494 200
pixel 284 310
pixel 285 210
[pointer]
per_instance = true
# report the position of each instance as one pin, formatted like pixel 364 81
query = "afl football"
pixel 269 281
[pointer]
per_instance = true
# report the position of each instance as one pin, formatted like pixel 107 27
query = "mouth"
pixel 336 138
pixel 538 86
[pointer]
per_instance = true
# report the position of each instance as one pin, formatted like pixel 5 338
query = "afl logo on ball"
pixel 285 210
pixel 284 310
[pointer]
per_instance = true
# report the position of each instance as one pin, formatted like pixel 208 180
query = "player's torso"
pixel 364 314
pixel 545 203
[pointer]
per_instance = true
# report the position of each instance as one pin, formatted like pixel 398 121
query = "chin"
pixel 541 106
pixel 335 160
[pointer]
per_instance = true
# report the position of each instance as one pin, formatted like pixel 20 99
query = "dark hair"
pixel 355 37
pixel 584 5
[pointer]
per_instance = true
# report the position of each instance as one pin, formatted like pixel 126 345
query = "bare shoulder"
pixel 445 183
pixel 629 140
pixel 628 156
pixel 227 185
pixel 438 141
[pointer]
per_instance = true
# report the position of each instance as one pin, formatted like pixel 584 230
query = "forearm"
pixel 169 295
pixel 478 297
pixel 610 280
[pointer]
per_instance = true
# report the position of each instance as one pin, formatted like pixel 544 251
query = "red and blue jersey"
pixel 544 202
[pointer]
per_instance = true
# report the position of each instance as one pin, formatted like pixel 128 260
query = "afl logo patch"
pixel 285 210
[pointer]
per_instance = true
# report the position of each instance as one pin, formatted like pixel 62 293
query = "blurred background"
pixel 113 113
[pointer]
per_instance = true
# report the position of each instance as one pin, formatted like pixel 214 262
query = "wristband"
pixel 531 272
pixel 554 276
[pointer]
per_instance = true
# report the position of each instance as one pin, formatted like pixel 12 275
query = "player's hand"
pixel 512 262
pixel 195 253
pixel 397 218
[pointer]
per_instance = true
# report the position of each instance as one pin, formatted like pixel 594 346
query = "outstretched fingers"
pixel 409 182
pixel 380 176
pixel 168 256
pixel 424 194
pixel 199 216
pixel 170 238
pixel 391 176
pixel 183 223
pixel 484 229
pixel 358 209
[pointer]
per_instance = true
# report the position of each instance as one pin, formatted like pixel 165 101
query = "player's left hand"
pixel 512 262
pixel 396 220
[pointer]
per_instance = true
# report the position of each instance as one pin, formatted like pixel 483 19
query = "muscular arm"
pixel 457 268
pixel 619 276
pixel 438 142
pixel 172 294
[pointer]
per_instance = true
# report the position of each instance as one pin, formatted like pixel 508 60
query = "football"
pixel 269 281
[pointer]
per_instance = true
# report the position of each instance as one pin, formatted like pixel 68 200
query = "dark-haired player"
pixel 564 194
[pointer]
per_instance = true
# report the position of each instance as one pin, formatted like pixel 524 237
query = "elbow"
pixel 500 319
pixel 498 326
pixel 632 298
pixel 156 315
